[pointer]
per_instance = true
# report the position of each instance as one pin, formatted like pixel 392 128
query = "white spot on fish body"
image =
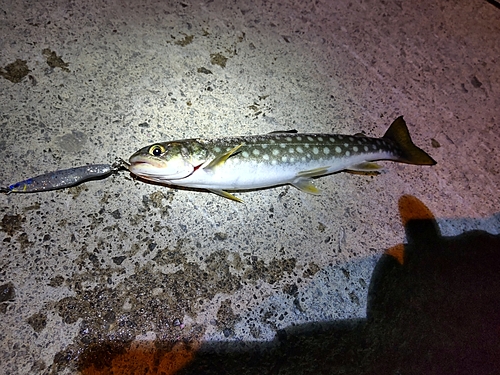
pixel 289 139
pixel 365 148
pixel 355 149
pixel 326 151
pixel 338 150
pixel 320 139
pixel 347 153
pixel 299 149
pixel 310 139
pixel 217 149
pixel 298 138
pixel 276 152
pixel 315 150
pixel 284 159
pixel 256 152
pixel 282 145
pixel 351 139
pixel 245 154
pixel 265 157
pixel 291 150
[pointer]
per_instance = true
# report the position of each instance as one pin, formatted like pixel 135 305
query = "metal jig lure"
pixel 64 178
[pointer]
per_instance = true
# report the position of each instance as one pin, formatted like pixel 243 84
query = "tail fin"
pixel 409 153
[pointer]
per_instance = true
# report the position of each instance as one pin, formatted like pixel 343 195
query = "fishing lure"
pixel 64 178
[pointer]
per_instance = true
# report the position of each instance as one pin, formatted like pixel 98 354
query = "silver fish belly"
pixel 252 162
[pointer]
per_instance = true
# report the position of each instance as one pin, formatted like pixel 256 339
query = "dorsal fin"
pixel 291 131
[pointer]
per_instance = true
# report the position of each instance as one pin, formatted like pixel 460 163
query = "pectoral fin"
pixel 225 194
pixel 221 159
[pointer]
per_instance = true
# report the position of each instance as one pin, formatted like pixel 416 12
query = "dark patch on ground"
pixel 54 61
pixel 435 143
pixel 38 366
pixel 191 284
pixel 151 300
pixel 56 281
pixel 72 142
pixel 475 82
pixel 173 256
pixel 220 236
pixel 118 260
pixel 34 207
pixel 23 241
pixel 7 292
pixel 272 272
pixel 226 318
pixel 188 39
pixel 311 270
pixel 15 71
pixel 218 59
pixel 12 223
pixel 76 190
pixel 204 70
pixel 38 322
pixel 158 200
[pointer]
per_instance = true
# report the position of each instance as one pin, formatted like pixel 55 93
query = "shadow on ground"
pixel 433 308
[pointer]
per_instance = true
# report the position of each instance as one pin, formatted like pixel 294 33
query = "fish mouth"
pixel 147 160
pixel 147 168
pixel 158 170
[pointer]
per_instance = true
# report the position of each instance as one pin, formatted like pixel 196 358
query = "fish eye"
pixel 156 150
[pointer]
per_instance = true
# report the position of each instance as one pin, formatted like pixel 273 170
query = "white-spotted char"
pixel 260 161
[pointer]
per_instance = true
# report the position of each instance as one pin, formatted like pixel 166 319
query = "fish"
pixel 63 178
pixel 262 161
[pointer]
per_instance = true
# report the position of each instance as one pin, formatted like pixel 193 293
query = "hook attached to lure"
pixel 64 178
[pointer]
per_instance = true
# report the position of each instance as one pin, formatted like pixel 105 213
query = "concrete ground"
pixel 119 276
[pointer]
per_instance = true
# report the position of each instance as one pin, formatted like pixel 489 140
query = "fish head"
pixel 162 162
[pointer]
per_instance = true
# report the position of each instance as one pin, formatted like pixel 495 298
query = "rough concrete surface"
pixel 119 276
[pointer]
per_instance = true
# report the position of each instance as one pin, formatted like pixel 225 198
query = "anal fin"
pixel 366 166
